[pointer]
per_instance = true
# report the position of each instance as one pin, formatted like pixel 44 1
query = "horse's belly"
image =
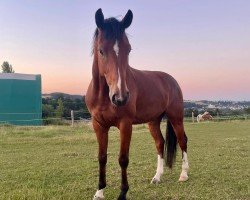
pixel 149 109
pixel 147 117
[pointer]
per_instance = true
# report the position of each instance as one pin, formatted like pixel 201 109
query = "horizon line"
pixel 183 99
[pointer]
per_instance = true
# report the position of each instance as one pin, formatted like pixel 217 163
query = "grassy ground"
pixel 60 162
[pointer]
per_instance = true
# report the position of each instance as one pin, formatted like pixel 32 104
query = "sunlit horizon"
pixel 205 46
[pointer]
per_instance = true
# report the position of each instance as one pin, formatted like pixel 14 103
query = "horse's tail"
pixel 170 146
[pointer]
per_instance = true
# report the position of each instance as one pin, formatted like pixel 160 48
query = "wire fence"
pixel 30 118
pixel 220 118
pixel 72 120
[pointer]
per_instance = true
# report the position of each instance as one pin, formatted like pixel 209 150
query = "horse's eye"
pixel 129 51
pixel 101 52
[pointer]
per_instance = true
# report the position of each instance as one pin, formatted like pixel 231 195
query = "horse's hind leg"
pixel 154 128
pixel 178 127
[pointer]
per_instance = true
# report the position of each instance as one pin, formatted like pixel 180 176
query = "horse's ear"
pixel 99 18
pixel 127 20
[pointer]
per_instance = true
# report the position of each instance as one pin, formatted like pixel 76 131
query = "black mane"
pixel 113 30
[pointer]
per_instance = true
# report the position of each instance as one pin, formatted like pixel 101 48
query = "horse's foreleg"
pixel 102 138
pixel 125 136
pixel 154 128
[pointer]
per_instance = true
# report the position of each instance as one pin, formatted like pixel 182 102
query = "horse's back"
pixel 158 84
pixel 156 92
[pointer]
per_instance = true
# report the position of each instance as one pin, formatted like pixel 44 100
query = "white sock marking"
pixel 185 167
pixel 99 194
pixel 159 170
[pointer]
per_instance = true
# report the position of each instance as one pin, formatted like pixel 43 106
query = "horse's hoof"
pixel 98 195
pixel 183 178
pixel 98 198
pixel 155 181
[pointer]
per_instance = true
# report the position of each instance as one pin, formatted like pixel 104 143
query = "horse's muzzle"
pixel 120 100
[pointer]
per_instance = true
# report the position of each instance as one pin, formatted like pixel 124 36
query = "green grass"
pixel 60 162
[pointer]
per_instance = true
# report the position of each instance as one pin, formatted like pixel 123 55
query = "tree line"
pixel 61 106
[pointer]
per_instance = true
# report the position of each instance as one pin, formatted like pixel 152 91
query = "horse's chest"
pixel 108 116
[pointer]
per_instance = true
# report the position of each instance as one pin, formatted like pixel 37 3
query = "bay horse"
pixel 119 95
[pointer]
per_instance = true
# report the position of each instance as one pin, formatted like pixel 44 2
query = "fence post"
pixel 72 117
pixel 193 117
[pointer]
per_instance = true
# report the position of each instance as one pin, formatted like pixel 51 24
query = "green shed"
pixel 20 99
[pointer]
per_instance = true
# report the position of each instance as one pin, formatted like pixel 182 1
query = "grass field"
pixel 60 162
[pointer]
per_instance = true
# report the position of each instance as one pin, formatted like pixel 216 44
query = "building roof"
pixel 17 76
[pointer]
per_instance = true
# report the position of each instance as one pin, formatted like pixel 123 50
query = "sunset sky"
pixel 205 45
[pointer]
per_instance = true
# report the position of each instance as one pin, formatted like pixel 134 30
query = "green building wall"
pixel 20 99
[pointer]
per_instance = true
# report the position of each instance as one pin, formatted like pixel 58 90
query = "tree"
pixel 47 111
pixel 7 68
pixel 59 109
pixel 247 110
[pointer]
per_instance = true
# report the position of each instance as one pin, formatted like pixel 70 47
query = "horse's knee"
pixel 123 161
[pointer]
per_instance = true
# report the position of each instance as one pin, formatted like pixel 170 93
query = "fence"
pixel 72 120
pixel 220 118
pixel 23 118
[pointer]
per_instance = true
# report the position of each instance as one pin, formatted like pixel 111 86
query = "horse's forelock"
pixel 112 30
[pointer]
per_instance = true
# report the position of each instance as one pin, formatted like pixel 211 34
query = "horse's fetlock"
pixel 101 185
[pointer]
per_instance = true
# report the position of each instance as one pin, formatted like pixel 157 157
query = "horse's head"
pixel 111 50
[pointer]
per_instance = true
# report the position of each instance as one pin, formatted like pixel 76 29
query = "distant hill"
pixel 56 95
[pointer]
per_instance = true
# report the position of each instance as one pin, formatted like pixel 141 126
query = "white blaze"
pixel 116 48
pixel 119 82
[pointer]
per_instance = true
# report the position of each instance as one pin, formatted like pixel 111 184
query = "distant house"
pixel 210 106
pixel 20 99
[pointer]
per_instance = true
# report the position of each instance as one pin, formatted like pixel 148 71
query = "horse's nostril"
pixel 127 95
pixel 119 101
pixel 114 98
